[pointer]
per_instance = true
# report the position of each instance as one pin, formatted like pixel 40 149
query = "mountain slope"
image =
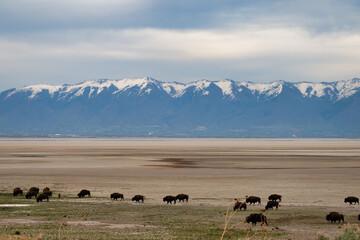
pixel 145 106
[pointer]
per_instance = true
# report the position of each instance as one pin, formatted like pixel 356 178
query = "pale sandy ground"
pixel 308 173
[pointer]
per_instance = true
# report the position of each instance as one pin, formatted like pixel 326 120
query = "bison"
pixel 84 193
pixel 30 194
pixel 115 196
pixel 182 197
pixel 255 218
pixel 351 200
pixel 17 191
pixel 271 204
pixel 253 200
pixel 41 197
pixel 359 217
pixel 334 216
pixel 46 189
pixel 49 193
pixel 274 197
pixel 138 198
pixel 34 189
pixel 169 199
pixel 240 205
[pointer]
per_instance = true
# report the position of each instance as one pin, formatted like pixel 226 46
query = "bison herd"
pixel 34 192
pixel 273 202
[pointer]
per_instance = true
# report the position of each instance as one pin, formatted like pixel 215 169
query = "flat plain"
pixel 313 176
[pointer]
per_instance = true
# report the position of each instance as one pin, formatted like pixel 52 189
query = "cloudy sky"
pixel 66 41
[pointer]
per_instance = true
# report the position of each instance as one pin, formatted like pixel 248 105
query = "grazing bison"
pixel 115 196
pixel 34 189
pixel 240 205
pixel 30 194
pixel 84 193
pixel 138 198
pixel 359 217
pixel 271 204
pixel 182 197
pixel 253 200
pixel 49 193
pixel 334 216
pixel 351 200
pixel 17 191
pixel 255 218
pixel 169 199
pixel 41 197
pixel 274 197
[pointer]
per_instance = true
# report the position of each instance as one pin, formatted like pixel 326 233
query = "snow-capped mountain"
pixel 335 90
pixel 137 107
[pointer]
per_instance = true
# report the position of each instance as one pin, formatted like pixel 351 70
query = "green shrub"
pixel 350 233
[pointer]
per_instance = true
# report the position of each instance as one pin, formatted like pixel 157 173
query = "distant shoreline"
pixel 174 139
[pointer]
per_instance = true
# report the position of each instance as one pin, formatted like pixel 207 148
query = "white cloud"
pixel 159 44
pixel 262 53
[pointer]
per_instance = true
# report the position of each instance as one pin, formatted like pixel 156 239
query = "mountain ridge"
pixel 228 86
pixel 203 108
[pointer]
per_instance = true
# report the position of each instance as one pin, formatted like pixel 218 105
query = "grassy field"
pixel 101 218
pixel 313 176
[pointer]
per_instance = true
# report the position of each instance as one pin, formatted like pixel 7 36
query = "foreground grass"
pixel 101 218
pixel 74 218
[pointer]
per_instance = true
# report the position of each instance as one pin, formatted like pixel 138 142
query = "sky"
pixel 66 41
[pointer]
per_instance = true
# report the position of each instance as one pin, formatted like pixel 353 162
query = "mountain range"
pixel 148 107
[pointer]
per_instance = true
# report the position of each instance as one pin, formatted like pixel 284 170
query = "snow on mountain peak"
pixel 268 89
pixel 36 89
pixel 336 90
pixel 348 88
pixel 309 89
pixel 226 87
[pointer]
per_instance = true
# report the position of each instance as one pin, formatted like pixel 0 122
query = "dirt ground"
pixel 309 173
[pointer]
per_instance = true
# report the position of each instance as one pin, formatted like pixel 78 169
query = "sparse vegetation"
pixel 351 232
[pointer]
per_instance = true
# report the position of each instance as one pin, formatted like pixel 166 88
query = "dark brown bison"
pixel 271 204
pixel 359 217
pixel 138 198
pixel 253 200
pixel 41 197
pixel 169 199
pixel 46 189
pixel 31 194
pixel 115 196
pixel 352 200
pixel 255 218
pixel 182 197
pixel 274 197
pixel 84 193
pixel 240 205
pixel 34 189
pixel 17 191
pixel 334 216
pixel 49 193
